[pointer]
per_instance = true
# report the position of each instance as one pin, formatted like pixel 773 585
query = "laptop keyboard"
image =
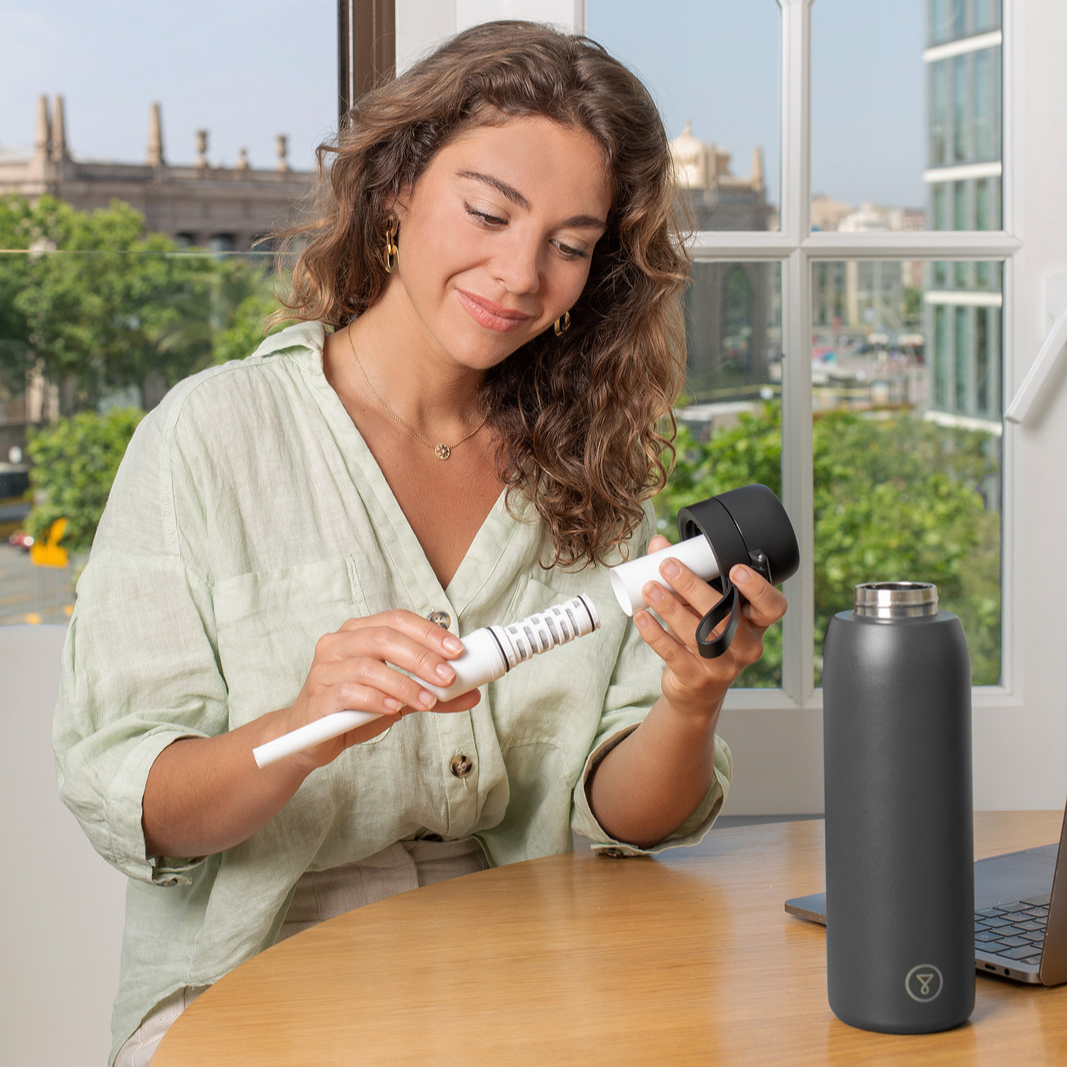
pixel 1016 931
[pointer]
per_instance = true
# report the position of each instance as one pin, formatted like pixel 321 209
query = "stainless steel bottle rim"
pixel 895 600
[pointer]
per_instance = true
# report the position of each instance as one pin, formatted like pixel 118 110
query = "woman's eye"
pixel 569 252
pixel 484 217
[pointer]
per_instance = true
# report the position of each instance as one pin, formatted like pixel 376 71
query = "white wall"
pixel 61 905
pixel 1021 749
pixel 420 24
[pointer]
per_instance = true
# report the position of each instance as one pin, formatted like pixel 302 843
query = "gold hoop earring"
pixel 391 255
pixel 563 323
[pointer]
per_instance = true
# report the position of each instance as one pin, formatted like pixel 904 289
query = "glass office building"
pixel 964 299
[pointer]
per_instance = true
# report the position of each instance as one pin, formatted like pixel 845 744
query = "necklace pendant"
pixel 442 451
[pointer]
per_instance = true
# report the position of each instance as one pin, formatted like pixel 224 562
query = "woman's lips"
pixel 491 315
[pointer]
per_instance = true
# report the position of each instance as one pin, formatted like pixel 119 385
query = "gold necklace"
pixel 441 451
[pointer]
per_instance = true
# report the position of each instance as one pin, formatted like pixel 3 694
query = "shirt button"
pixel 442 618
pixel 461 766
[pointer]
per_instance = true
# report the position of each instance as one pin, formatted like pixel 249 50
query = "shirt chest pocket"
pixel 268 624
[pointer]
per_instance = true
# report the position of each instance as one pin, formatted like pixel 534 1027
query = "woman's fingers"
pixel 681 601
pixel 764 604
pixel 380 664
pixel 399 637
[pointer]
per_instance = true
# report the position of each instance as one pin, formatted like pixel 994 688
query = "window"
pixel 888 322
pixel 93 316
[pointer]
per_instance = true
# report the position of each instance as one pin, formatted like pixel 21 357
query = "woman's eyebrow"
pixel 513 194
pixel 503 188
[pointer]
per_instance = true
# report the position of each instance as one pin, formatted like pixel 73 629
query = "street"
pixel 32 594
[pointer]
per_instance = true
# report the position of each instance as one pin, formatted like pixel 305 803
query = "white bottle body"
pixel 629 579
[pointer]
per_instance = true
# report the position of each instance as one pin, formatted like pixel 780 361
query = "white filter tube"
pixel 488 653
pixel 314 733
pixel 628 579
pixel 481 660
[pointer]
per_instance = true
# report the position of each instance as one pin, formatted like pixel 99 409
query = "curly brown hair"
pixel 584 421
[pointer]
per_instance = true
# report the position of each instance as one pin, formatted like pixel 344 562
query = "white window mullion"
pixel 798 667
pixel 796 120
pixel 912 244
pixel 798 671
pixel 1013 482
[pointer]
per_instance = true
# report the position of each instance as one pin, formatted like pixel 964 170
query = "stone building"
pixel 197 204
pixel 728 305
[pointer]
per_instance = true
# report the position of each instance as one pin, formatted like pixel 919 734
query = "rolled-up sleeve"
pixel 140 667
pixel 634 688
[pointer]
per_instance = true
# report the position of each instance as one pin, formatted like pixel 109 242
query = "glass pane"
pixel 730 425
pixel 233 140
pixel 713 69
pixel 88 341
pixel 220 162
pixel 906 378
pixel 906 105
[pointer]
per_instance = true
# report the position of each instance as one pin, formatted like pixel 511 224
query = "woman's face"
pixel 497 235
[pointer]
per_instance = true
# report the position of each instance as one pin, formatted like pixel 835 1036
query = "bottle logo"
pixel 924 983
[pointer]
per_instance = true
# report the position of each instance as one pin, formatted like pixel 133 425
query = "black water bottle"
pixel 899 812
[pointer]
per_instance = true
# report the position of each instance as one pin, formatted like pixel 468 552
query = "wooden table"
pixel 687 958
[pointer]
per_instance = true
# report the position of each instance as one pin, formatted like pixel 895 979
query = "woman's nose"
pixel 518 266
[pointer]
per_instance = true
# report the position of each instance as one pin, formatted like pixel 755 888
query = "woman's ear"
pixel 397 203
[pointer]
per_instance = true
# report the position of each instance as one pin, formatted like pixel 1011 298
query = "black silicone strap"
pixel 728 607
pixel 712 520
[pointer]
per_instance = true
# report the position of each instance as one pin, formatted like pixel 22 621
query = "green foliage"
pixel 246 299
pixel 97 305
pixel 75 461
pixel 750 451
pixel 895 498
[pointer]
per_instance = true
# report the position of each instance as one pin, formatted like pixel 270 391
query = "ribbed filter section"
pixel 544 630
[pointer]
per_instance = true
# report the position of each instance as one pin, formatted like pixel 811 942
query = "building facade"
pixel 963 300
pixel 728 305
pixel 224 209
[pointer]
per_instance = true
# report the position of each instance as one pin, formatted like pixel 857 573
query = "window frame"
pixel 798 249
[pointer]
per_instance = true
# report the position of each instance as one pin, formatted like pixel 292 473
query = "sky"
pixel 247 70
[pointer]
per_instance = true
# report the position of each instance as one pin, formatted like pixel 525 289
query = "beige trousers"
pixel 321 895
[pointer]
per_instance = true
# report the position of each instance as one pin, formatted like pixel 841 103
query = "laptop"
pixel 1020 914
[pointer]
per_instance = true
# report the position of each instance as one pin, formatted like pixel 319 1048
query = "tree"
pixel 231 319
pixel 16 232
pixel 94 297
pixel 74 464
pixel 895 498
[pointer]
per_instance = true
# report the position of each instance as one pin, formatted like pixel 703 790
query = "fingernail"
pixel 740 574
pixel 444 672
pixel 642 619
pixel 392 703
pixel 671 568
pixel 653 592
pixel 427 699
pixel 453 644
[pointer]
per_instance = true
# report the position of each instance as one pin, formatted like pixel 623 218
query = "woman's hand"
pixel 691 684
pixel 207 794
pixel 360 667
pixel 653 780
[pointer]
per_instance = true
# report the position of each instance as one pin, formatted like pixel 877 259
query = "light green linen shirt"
pixel 248 519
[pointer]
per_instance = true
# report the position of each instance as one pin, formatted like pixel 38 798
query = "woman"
pixel 462 429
